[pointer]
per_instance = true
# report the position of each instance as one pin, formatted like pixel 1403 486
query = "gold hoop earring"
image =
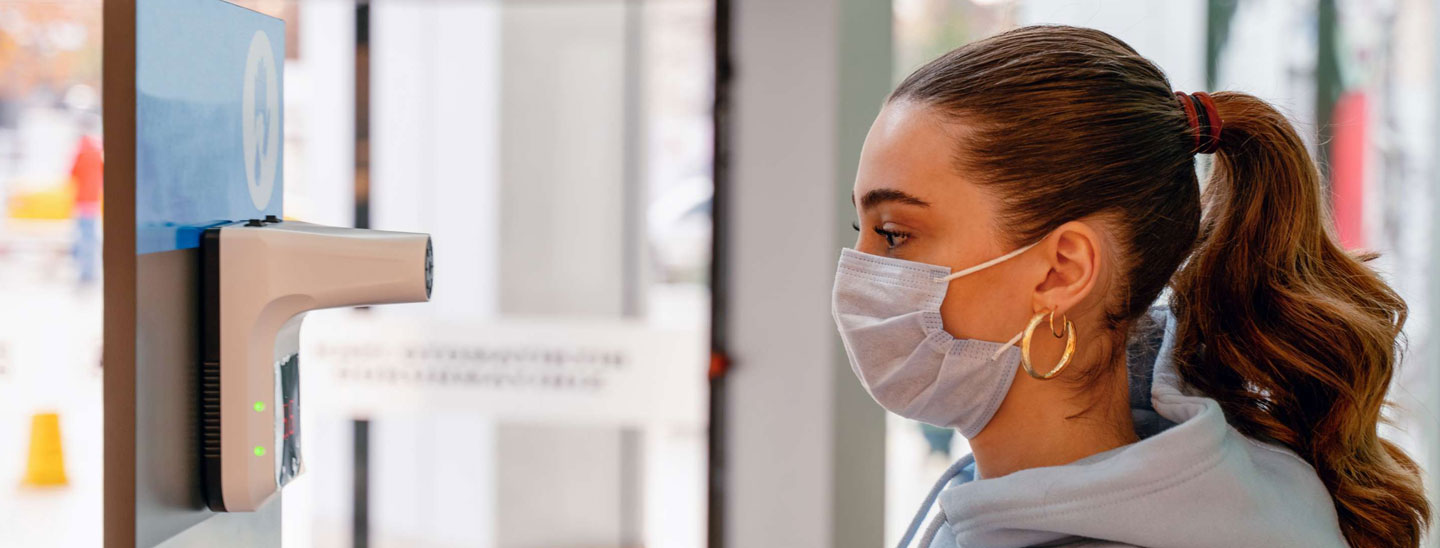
pixel 1064 358
pixel 1064 318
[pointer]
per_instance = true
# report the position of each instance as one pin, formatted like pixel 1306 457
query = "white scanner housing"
pixel 259 278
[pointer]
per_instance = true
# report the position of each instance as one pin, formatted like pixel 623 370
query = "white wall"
pixel 1170 33
pixel 562 127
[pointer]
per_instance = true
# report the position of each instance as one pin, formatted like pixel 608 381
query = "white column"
pixel 435 142
pixel 805 446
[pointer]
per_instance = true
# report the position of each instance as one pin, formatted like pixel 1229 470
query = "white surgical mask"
pixel 888 313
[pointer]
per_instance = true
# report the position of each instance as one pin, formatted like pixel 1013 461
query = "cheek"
pixel 985 306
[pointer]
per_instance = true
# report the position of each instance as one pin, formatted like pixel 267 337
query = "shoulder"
pixel 1281 466
pixel 1258 473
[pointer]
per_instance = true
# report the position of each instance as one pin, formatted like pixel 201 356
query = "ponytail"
pixel 1296 338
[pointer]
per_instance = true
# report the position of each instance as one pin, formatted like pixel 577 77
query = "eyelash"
pixel 889 235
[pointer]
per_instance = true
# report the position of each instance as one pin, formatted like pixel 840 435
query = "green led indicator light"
pixel 259 451
pixel 259 406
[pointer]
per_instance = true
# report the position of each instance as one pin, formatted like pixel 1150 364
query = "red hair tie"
pixel 1204 120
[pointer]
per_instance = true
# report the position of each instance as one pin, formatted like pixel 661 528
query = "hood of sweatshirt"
pixel 1191 480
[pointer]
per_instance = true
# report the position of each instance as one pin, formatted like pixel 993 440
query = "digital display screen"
pixel 287 377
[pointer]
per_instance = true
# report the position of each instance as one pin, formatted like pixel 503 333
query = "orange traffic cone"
pixel 47 464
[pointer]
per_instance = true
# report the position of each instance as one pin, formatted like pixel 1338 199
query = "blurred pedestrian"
pixel 87 175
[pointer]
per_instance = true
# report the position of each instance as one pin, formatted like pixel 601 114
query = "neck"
pixel 1042 423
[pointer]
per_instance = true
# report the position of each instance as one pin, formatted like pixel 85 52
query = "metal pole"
pixel 362 114
pixel 719 358
pixel 360 526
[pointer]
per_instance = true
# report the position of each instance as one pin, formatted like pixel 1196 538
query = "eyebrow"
pixel 883 195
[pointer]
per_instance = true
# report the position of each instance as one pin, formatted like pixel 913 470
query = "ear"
pixel 1073 251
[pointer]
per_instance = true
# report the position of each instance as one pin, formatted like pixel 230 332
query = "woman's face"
pixel 912 204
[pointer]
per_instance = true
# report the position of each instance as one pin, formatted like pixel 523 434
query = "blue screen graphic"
pixel 210 119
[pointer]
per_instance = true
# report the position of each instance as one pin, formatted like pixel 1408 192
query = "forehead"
pixel 912 148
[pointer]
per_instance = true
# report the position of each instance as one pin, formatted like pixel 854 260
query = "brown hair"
pixel 1294 337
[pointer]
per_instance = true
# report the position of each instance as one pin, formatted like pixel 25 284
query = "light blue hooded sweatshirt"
pixel 1191 480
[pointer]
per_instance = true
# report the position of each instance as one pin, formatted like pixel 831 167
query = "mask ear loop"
pixel 983 266
pixel 989 263
pixel 1007 346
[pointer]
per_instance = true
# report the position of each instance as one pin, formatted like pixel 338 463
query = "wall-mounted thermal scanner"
pixel 258 279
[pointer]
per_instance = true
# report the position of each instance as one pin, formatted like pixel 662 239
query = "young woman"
pixel 1039 187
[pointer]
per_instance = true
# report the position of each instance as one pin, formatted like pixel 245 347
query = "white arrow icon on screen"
pixel 260 120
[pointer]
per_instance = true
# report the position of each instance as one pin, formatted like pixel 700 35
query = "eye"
pixel 855 225
pixel 894 238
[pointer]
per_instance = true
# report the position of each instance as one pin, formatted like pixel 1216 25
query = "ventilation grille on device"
pixel 210 410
